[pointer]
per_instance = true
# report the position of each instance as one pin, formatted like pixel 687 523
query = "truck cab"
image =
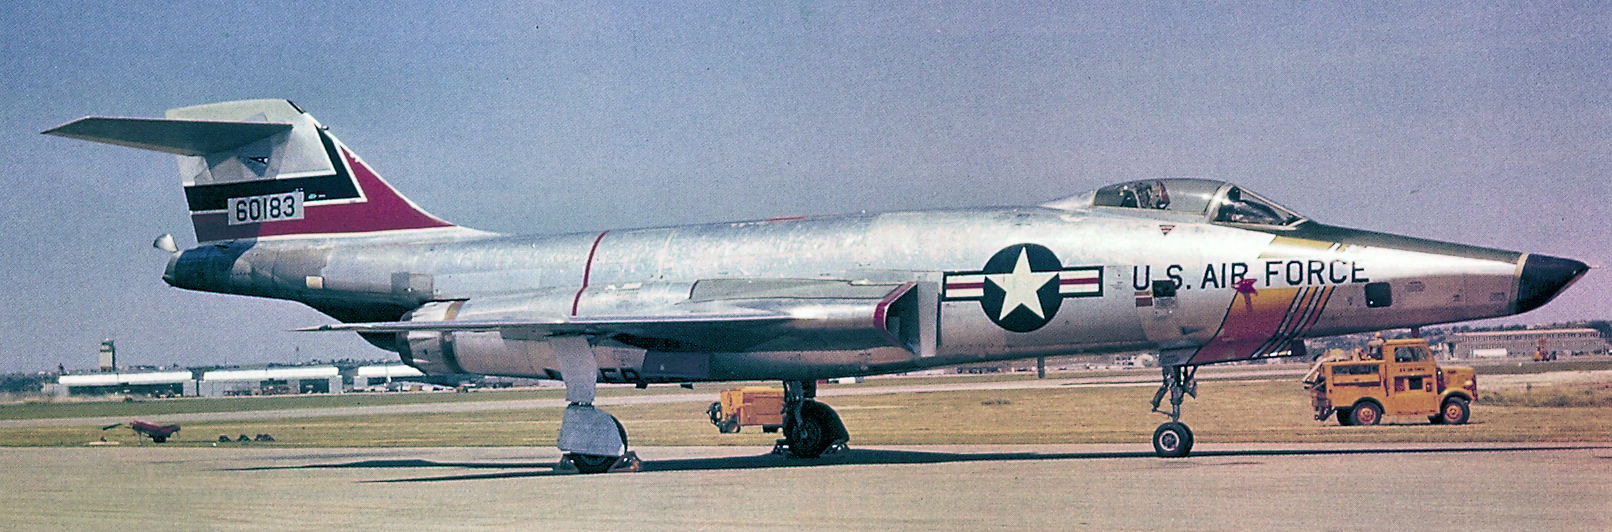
pixel 1394 378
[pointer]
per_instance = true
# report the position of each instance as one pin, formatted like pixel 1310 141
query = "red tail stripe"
pixel 382 209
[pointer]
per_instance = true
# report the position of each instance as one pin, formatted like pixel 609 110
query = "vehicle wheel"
pixel 1455 411
pixel 1346 416
pixel 1367 413
pixel 1172 440
pixel 808 436
pixel 715 411
pixel 592 463
pixel 159 439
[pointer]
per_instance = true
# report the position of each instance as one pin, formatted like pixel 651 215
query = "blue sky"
pixel 1483 123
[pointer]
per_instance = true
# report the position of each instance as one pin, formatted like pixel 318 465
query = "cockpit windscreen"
pixel 1217 201
pixel 1239 206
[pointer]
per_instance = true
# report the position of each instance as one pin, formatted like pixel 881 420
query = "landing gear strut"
pixel 1173 439
pixel 810 428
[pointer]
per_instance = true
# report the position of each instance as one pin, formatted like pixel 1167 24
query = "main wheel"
pixel 600 463
pixel 1346 416
pixel 1172 440
pixel 808 436
pixel 1455 411
pixel 1367 413
pixel 592 463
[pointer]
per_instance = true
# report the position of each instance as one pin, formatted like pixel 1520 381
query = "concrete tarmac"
pixel 1221 487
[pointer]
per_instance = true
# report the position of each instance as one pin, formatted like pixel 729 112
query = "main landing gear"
pixel 810 428
pixel 1173 439
pixel 593 440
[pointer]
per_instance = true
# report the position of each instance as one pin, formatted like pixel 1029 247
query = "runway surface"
pixel 1229 486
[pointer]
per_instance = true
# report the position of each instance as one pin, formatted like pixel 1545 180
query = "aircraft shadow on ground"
pixel 506 470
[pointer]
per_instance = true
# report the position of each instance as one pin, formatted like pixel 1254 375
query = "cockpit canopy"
pixel 1215 201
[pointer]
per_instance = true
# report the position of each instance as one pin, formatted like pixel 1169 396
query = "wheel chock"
pixel 628 463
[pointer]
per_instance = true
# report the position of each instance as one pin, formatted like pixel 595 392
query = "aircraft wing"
pixel 717 316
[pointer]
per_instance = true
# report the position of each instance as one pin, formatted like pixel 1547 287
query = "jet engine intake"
pixel 431 352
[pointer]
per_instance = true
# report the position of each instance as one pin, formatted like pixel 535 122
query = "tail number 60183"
pixel 258 209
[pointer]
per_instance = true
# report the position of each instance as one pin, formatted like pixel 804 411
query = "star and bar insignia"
pixel 1023 285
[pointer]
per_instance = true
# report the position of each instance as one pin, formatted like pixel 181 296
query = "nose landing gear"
pixel 1173 439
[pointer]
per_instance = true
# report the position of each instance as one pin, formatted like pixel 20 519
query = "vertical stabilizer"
pixel 262 168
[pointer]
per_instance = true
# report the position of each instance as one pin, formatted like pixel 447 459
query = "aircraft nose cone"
pixel 1543 277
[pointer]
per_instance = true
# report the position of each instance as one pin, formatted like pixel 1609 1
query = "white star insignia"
pixel 1020 287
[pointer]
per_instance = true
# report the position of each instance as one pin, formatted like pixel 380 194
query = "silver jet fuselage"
pixel 1198 292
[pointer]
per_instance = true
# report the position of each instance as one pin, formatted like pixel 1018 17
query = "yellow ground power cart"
pixel 1394 378
pixel 748 407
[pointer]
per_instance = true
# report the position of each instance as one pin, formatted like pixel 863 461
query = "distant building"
pixel 271 381
pixel 109 356
pixel 1524 342
pixel 382 374
pixel 156 384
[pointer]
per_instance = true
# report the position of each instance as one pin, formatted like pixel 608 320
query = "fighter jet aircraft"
pixel 1196 270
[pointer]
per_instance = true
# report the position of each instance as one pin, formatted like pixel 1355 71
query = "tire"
pixel 1346 416
pixel 1366 413
pixel 1455 411
pixel 715 412
pixel 599 463
pixel 808 436
pixel 592 463
pixel 816 429
pixel 1172 440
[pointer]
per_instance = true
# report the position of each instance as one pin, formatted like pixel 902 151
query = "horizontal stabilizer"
pixel 179 137
pixel 261 169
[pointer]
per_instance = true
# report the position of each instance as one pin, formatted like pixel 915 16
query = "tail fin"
pixel 262 168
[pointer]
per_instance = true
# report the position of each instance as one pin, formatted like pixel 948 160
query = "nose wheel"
pixel 1173 439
